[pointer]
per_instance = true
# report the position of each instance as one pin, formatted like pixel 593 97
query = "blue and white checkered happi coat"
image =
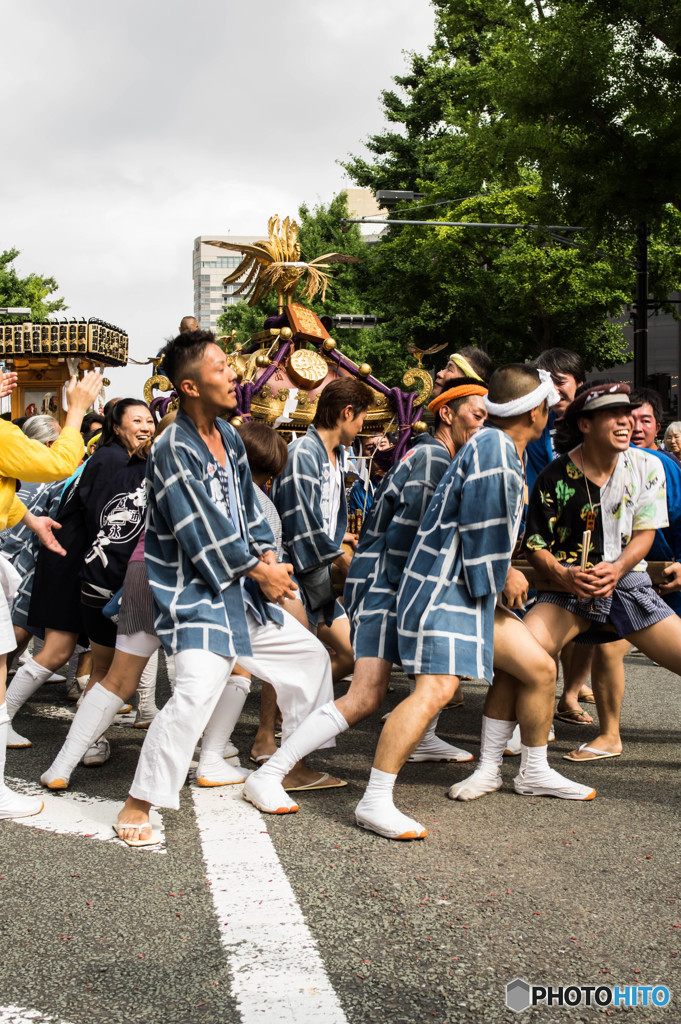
pixel 194 553
pixel 375 572
pixel 297 495
pixel 459 561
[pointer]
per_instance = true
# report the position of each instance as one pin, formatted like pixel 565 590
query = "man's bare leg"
pixel 401 735
pixel 337 636
pixel 367 692
pixel 661 643
pixel 607 677
pixel 524 689
pixel 576 660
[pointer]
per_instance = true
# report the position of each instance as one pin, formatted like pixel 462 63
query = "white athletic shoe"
pixel 213 773
pixel 16 805
pixel 387 821
pixel 268 795
pixel 480 783
pixel 98 753
pixel 551 783
pixel 432 748
pixel 14 740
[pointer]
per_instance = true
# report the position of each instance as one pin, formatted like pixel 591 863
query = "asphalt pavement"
pixel 553 892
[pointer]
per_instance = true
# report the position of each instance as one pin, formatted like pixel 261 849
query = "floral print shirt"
pixel 634 498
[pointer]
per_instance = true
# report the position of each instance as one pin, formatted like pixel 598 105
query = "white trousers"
pixel 289 657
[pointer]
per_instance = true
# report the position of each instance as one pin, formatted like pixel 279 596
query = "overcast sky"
pixel 130 128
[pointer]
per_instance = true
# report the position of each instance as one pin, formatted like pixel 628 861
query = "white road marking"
pixel 277 971
pixel 20 1015
pixel 77 814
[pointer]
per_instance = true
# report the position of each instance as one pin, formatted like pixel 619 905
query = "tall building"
pixel 210 266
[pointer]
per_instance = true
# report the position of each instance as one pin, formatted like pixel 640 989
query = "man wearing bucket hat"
pixel 591 521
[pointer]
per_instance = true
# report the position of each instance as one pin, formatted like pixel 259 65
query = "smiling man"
pixel 215 580
pixel 567 373
pixel 619 493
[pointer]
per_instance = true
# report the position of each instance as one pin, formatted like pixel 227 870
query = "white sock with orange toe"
pixel 94 716
pixel 536 778
pixel 486 778
pixel 264 788
pixel 213 770
pixel 12 805
pixel 377 812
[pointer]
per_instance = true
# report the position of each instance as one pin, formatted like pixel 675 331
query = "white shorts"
pixel 141 644
pixel 7 641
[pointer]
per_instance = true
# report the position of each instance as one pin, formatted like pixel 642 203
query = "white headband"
pixel 544 390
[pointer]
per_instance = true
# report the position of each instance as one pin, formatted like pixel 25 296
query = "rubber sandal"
pixel 153 839
pixel 321 783
pixel 573 717
pixel 598 755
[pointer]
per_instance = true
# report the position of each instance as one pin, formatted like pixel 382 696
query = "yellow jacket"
pixel 22 458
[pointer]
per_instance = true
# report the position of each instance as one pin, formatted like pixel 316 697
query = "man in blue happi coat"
pixel 371 588
pixel 310 498
pixel 448 625
pixel 218 589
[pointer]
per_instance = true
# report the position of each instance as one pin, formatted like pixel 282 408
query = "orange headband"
pixel 460 391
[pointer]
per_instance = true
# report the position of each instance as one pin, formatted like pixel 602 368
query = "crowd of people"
pixel 224 546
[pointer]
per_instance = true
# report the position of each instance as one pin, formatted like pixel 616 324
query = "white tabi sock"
pixel 487 776
pixel 322 725
pixel 534 759
pixel 94 716
pixel 536 778
pixel 146 692
pixel 495 736
pixel 12 805
pixel 29 678
pixel 377 812
pixel 213 770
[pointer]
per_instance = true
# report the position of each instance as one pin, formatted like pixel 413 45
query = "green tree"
pixel 528 113
pixel 31 291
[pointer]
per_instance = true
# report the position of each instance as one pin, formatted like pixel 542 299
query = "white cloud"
pixel 138 126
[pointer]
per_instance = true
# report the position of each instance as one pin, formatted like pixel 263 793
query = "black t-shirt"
pixel 557 514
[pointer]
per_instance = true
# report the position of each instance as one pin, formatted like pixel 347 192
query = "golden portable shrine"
pixel 283 368
pixel 44 355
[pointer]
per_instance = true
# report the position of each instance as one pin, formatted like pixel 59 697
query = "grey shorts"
pixel 634 605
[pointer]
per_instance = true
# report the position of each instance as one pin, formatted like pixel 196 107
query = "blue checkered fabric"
pixel 195 554
pixel 370 594
pixel 459 561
